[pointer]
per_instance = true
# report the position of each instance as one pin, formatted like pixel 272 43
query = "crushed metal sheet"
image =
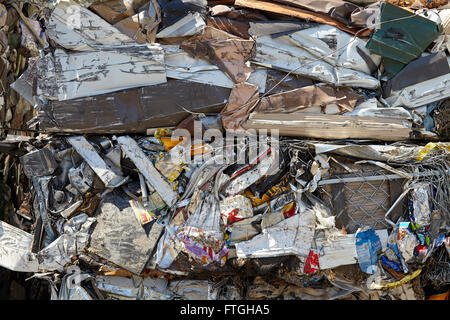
pixel 330 126
pixel 422 93
pixel 228 52
pixel 319 53
pixel 180 65
pixel 77 28
pixel 100 167
pixel 295 12
pixel 401 41
pixel 292 236
pixel 132 150
pixel 242 98
pixel 39 163
pixel 190 25
pixel 342 250
pixel 133 110
pixel 311 99
pixel 108 69
pixel 119 237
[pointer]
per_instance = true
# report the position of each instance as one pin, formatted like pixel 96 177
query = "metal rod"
pixel 380 177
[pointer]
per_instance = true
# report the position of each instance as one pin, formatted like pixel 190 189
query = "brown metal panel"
pixel 133 110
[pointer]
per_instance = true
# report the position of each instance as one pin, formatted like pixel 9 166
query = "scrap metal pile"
pixel 229 149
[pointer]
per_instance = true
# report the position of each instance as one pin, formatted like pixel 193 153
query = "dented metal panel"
pixel 77 28
pixel 133 110
pixel 39 163
pixel 319 53
pixel 41 186
pixel 15 249
pixel 422 69
pixel 342 250
pixel 181 65
pixel 422 93
pixel 100 167
pixel 228 52
pixel 312 99
pixel 133 288
pixel 292 236
pixel 69 75
pixel 323 126
pixel 145 166
pixel 402 37
pixel 191 24
pixel 119 237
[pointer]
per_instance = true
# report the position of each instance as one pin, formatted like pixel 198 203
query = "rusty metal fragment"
pixel 228 52
pixel 312 99
pixel 243 97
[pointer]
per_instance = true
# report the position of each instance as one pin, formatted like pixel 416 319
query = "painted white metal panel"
pixel 370 108
pixel 292 236
pixel 422 93
pixel 342 250
pixel 15 249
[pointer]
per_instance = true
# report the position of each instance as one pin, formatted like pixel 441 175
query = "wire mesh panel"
pixel 362 198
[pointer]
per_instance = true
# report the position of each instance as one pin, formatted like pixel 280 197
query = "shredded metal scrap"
pixel 136 162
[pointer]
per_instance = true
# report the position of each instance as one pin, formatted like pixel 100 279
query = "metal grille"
pixel 360 199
